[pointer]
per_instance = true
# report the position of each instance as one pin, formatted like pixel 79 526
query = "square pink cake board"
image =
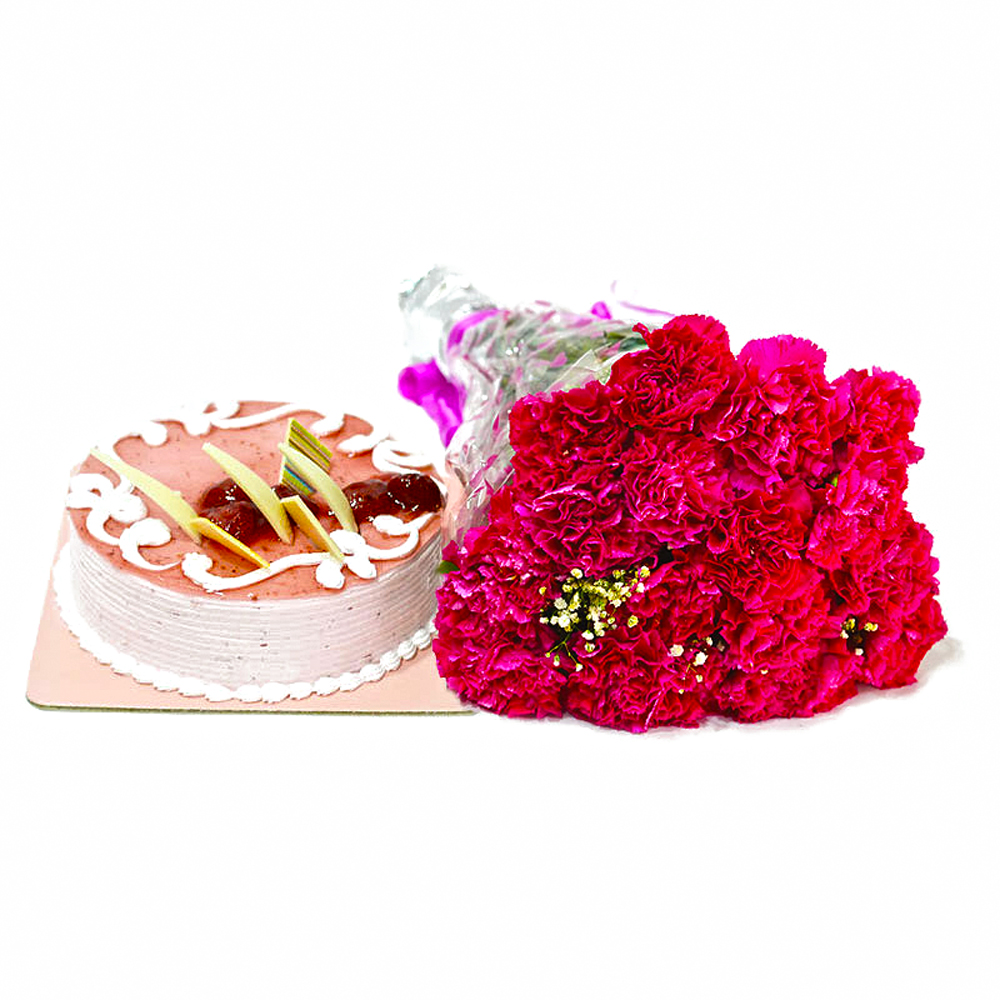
pixel 63 675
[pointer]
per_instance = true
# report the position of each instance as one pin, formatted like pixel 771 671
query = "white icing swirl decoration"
pixel 118 503
pixel 358 444
pixel 196 566
pixel 148 531
pixel 387 455
pixel 199 418
pixel 106 502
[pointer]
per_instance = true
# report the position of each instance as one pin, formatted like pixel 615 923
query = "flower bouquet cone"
pixel 655 530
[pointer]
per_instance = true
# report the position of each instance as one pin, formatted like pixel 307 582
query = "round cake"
pixel 252 550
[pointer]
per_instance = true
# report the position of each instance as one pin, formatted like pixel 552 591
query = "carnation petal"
pixel 768 354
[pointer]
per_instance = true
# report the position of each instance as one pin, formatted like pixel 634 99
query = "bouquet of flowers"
pixel 654 530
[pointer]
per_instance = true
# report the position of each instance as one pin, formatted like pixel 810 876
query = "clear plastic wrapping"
pixel 473 359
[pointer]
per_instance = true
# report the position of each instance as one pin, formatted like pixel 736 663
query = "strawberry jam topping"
pixel 409 493
pixel 220 493
pixel 415 493
pixel 369 498
pixel 227 505
pixel 240 518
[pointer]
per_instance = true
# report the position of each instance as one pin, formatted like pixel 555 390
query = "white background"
pixel 200 198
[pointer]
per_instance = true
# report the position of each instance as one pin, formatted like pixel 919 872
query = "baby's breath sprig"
pixel 588 607
pixel 691 655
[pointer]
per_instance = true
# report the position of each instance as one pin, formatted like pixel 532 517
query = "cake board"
pixel 62 675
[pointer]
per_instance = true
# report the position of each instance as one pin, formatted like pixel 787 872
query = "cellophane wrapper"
pixel 493 356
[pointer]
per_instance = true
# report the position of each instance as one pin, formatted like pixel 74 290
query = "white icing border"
pixel 192 687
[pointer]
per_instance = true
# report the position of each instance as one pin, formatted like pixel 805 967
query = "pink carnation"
pixel 681 379
pixel 675 486
pixel 782 415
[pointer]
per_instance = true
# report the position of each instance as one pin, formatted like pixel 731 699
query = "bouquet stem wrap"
pixel 654 530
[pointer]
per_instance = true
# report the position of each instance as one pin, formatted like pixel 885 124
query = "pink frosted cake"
pixel 225 589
